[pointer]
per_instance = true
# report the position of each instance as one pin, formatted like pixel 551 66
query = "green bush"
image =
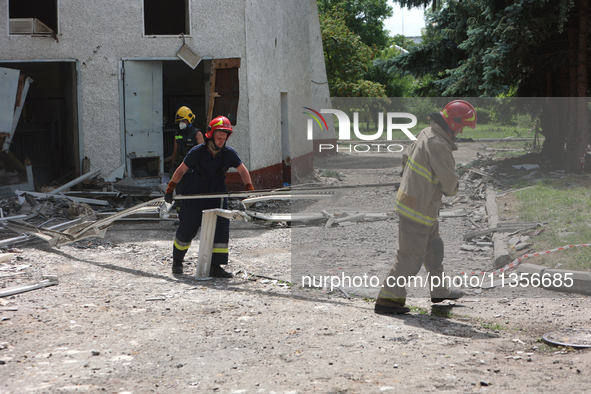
pixel 483 115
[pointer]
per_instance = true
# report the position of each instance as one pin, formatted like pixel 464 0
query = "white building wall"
pixel 272 38
pixel 100 33
pixel 320 95
pixel 278 58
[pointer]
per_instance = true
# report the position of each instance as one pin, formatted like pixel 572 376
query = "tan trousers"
pixel 417 245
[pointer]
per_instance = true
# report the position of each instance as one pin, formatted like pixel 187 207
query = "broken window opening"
pixel 224 89
pixel 46 132
pixel 182 86
pixel 32 17
pixel 144 167
pixel 169 17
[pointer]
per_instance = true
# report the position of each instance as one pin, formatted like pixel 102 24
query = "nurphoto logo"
pixel 391 120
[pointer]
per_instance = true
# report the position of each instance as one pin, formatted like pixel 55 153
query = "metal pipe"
pixel 76 181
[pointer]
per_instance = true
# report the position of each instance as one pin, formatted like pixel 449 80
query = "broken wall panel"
pixel 9 79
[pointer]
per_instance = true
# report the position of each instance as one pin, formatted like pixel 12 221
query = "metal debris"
pixel 577 338
pixel 28 287
pixel 6 257
pixel 502 228
pixel 76 181
pixel 22 194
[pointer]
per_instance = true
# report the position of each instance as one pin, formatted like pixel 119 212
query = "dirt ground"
pixel 120 322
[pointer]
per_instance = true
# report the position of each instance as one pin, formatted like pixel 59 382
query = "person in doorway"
pixel 428 174
pixel 205 167
pixel 185 139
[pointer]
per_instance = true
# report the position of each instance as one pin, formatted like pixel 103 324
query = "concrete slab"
pixel 500 251
pixel 567 281
pixel 530 269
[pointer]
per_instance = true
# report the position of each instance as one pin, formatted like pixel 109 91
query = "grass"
pixel 441 311
pixel 565 204
pixel 419 310
pixel 332 174
pixel 544 347
pixel 493 326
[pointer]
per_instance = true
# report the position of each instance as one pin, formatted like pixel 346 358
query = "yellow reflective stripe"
pixel 422 171
pixel 179 137
pixel 182 245
pixel 220 250
pixel 414 215
pixel 385 294
pixel 472 118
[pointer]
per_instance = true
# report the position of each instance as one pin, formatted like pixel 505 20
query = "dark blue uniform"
pixel 206 174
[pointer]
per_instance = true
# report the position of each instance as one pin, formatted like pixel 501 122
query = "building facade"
pixel 108 76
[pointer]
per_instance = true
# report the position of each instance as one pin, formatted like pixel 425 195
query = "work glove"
pixel 249 187
pixel 169 191
pixel 454 192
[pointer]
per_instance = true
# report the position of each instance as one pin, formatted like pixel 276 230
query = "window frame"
pixel 33 34
pixel 188 26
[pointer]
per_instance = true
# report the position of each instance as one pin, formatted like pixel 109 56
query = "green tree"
pixel 396 84
pixel 364 17
pixel 530 47
pixel 347 58
pixel 402 42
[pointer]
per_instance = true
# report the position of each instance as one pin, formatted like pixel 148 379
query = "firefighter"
pixel 428 173
pixel 205 167
pixel 185 139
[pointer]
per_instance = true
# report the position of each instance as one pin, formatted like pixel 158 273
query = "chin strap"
pixel 212 146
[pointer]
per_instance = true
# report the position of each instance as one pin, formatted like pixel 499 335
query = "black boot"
pixel 177 266
pixel 217 271
pixel 390 307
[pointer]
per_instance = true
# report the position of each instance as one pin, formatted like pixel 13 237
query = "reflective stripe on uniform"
pixel 414 215
pixel 181 245
pixel 220 248
pixel 178 137
pixel 422 171
pixel 384 294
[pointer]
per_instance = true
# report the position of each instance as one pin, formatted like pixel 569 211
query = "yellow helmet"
pixel 184 113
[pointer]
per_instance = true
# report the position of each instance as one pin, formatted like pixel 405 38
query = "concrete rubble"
pixel 91 211
pixel 60 216
pixel 510 240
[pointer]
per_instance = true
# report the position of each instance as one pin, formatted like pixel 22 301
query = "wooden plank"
pixel 212 94
pixel 233 62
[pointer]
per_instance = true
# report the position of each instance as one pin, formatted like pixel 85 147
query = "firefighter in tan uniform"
pixel 428 173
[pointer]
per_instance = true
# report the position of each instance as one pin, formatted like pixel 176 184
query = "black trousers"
pixel 191 216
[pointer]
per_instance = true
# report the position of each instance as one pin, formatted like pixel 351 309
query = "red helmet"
pixel 219 123
pixel 459 113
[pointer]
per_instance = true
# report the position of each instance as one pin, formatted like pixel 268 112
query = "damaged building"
pixel 95 86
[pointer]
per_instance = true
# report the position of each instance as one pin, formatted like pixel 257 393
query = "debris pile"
pixel 56 213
